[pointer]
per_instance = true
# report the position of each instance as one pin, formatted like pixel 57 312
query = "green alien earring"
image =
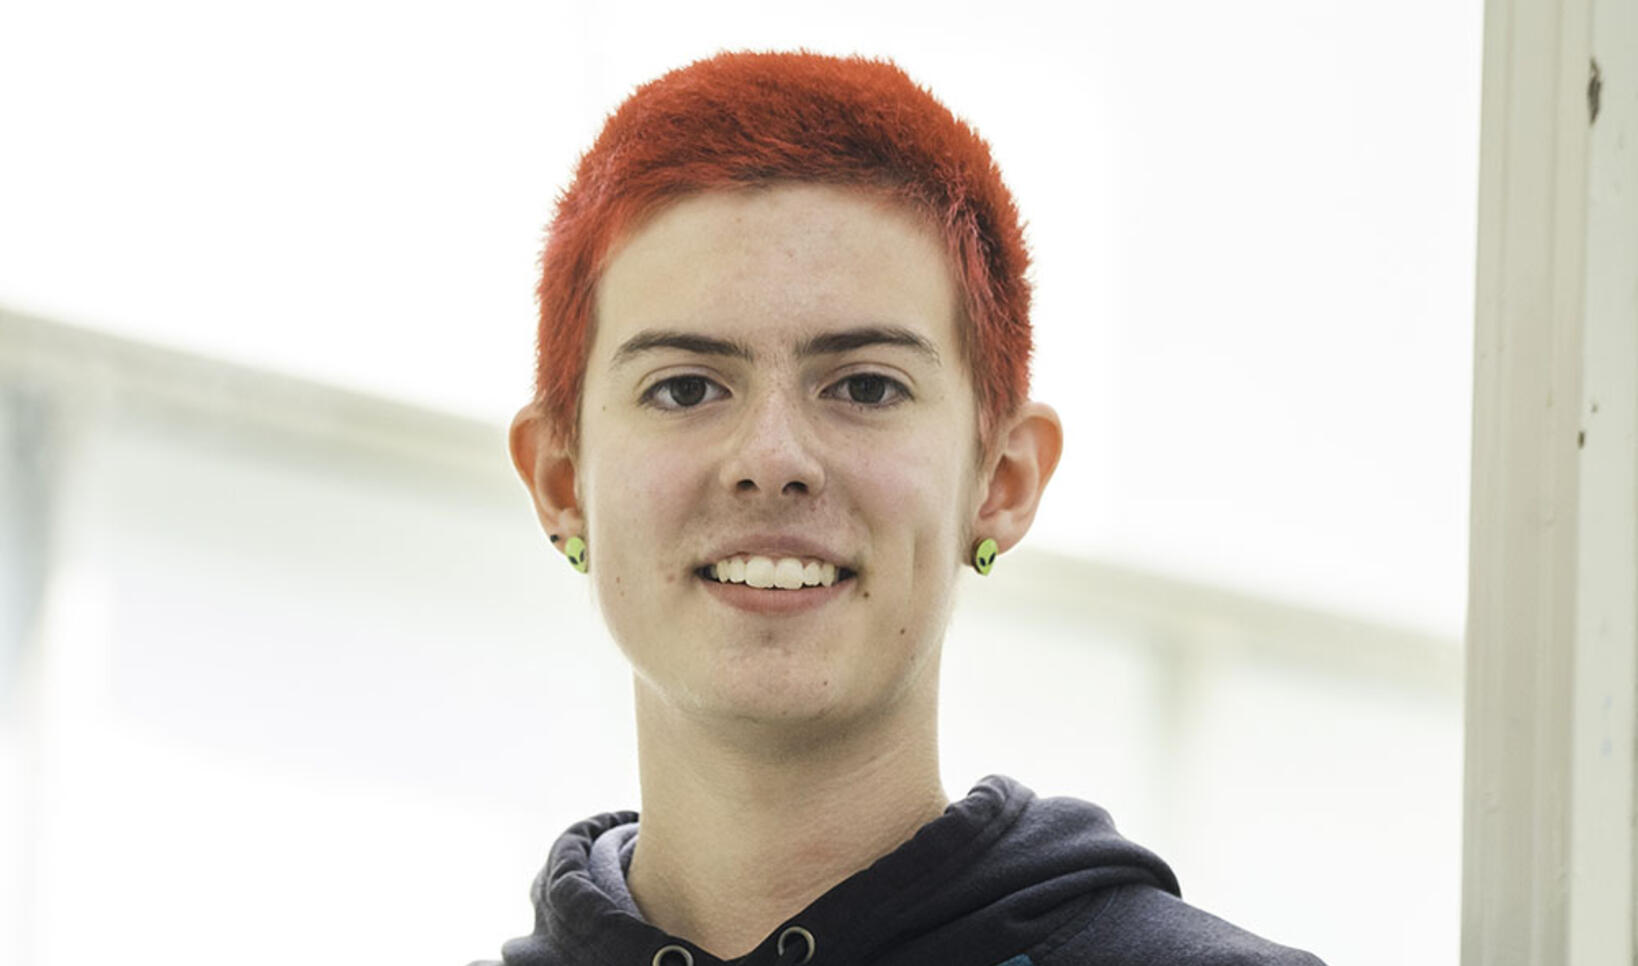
pixel 984 556
pixel 576 549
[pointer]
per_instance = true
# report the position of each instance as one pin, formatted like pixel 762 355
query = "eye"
pixel 680 392
pixel 870 389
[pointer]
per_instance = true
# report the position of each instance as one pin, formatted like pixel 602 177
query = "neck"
pixel 745 824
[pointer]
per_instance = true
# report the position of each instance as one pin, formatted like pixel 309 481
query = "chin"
pixel 776 692
pixel 779 696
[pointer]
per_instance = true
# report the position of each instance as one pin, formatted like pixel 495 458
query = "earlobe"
pixel 1028 450
pixel 547 470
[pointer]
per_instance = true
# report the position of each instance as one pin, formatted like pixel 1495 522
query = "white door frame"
pixel 1552 630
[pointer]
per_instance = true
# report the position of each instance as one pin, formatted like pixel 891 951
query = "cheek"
pixel 612 472
pixel 637 497
pixel 915 491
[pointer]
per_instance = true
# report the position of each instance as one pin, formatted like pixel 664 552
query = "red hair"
pixel 746 118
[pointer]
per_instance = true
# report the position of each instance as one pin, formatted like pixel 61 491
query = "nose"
pixel 773 453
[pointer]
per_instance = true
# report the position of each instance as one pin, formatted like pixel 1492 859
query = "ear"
pixel 1026 453
pixel 548 472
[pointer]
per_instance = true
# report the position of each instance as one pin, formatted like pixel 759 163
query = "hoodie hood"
pixel 998 872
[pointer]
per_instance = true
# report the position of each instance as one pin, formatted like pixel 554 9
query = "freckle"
pixel 617 580
pixel 867 595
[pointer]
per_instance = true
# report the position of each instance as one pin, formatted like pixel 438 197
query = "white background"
pixel 319 713
pixel 1252 223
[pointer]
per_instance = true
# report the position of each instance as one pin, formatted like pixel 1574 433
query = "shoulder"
pixel 1145 926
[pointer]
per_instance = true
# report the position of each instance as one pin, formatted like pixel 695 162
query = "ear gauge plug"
pixel 576 550
pixel 984 555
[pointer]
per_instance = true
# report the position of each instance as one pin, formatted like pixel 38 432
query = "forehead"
pixel 777 264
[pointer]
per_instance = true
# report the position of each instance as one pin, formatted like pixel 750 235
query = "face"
pixel 776 373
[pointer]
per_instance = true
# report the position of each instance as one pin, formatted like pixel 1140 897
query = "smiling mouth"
pixel 781 574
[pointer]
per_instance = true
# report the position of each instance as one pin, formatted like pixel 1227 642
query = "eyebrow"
pixel 830 343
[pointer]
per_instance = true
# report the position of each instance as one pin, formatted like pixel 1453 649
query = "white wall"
pixel 1253 226
pixel 1253 231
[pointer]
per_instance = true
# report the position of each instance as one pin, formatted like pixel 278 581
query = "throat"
pixel 726 884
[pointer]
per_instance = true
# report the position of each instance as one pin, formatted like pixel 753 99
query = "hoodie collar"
pixel 998 871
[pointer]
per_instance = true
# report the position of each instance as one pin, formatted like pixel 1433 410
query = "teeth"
pixel 759 572
pixel 786 573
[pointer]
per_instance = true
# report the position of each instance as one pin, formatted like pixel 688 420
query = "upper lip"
pixel 775 545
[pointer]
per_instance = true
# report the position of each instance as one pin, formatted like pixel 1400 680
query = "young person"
pixel 781 401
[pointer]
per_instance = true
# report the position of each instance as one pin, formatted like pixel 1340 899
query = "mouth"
pixel 780 574
pixel 776 587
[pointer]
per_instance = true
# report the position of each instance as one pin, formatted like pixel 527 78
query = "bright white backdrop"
pixel 1253 235
pixel 1253 229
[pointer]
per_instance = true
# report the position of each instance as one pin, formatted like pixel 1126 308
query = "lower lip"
pixel 776 602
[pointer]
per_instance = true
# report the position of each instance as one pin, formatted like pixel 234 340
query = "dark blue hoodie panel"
pixel 1141 926
pixel 1002 878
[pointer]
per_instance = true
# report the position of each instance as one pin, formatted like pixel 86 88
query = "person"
pixel 781 401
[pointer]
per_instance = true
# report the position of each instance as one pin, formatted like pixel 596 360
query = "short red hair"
pixel 744 118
